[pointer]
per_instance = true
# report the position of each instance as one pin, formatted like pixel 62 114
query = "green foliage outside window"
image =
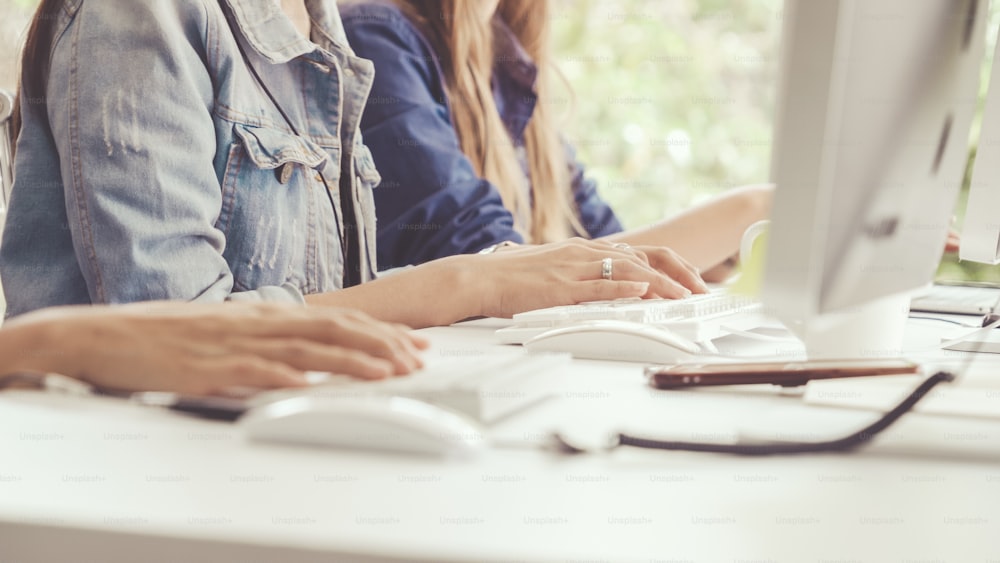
pixel 674 100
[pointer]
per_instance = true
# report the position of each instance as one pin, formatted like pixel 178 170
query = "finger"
pixel 317 327
pixel 268 319
pixel 679 269
pixel 638 255
pixel 642 255
pixel 242 371
pixel 410 341
pixel 591 249
pixel 353 329
pixel 626 253
pixel 660 285
pixel 418 340
pixel 311 356
pixel 606 290
pixel 395 344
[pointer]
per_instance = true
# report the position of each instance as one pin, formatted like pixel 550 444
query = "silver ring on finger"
pixel 607 268
pixel 621 245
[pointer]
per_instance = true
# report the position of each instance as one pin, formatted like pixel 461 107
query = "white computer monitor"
pixel 981 228
pixel 875 104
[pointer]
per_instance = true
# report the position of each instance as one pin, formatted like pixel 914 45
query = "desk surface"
pixel 117 482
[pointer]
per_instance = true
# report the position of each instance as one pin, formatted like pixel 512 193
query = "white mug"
pixel 749 237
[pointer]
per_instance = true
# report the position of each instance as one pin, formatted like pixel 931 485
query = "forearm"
pixel 29 348
pixel 708 234
pixel 437 293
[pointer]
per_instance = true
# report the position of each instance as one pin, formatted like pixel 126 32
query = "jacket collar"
pixel 269 32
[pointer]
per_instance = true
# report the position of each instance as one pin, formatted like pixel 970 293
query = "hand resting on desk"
pixel 205 349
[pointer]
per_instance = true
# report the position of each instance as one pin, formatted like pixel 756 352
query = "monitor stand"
pixel 870 331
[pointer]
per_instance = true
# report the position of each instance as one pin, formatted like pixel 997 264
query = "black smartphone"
pixel 787 374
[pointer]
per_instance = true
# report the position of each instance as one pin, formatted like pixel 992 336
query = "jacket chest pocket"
pixel 269 211
pixel 368 179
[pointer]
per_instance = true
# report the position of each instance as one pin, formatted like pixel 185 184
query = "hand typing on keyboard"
pixel 534 277
pixel 665 260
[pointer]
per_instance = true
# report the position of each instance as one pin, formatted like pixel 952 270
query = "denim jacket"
pixel 431 202
pixel 155 167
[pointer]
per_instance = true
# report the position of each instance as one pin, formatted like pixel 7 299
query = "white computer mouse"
pixel 616 340
pixel 394 424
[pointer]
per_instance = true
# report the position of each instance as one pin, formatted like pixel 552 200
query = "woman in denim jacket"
pixel 456 98
pixel 153 164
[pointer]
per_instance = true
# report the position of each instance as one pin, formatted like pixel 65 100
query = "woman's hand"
pixel 668 262
pixel 516 279
pixel 532 277
pixel 205 349
pixel 709 233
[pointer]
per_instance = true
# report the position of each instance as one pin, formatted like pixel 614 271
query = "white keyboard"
pixel 698 318
pixel 485 385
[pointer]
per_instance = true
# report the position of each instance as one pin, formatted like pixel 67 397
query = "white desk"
pixel 100 480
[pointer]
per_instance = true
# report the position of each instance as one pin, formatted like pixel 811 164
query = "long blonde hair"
pixel 464 44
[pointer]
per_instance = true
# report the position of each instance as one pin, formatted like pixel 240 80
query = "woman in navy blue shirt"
pixel 468 156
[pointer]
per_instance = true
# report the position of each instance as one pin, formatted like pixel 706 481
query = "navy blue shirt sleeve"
pixel 596 216
pixel 431 203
